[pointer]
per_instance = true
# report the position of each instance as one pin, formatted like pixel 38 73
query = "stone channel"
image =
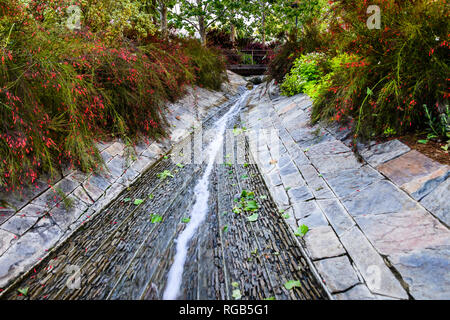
pixel 126 251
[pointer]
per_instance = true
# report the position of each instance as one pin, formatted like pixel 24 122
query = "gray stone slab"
pixel 322 243
pixel 299 194
pixel 64 216
pixel 339 218
pixel 333 163
pixel 426 272
pixel 32 210
pixel 399 232
pixel 429 186
pixel 280 196
pixel 438 203
pixel 328 148
pixel 346 182
pixel 81 194
pixel 309 214
pixel 380 197
pixel 316 183
pixel 5 240
pixel 274 179
pixel 24 253
pixel 371 266
pixel 337 273
pixel 288 169
pixel 358 292
pixel 19 224
pixel 141 164
pixel 99 181
pixel 5 214
pixel 293 180
pixel 384 152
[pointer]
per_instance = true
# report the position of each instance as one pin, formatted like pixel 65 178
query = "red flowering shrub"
pixel 401 66
pixel 62 90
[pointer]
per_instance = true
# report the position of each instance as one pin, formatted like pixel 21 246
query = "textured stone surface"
pixel 393 233
pixel 309 214
pixel 316 183
pixel 438 202
pixel 358 292
pixel 412 170
pixel 333 163
pixel 280 196
pixel 27 250
pixel 5 240
pixel 322 242
pixel 346 182
pixel 339 218
pixel 371 266
pixel 298 194
pixel 337 273
pixel 426 272
pixel 19 224
pixel 380 197
pixel 384 152
pixel 64 216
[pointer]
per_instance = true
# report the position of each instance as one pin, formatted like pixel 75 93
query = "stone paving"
pixel 43 216
pixel 378 226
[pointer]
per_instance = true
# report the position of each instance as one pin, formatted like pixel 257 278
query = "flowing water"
pixel 122 254
pixel 200 208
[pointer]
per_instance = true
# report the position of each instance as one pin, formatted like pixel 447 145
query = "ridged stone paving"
pixel 378 225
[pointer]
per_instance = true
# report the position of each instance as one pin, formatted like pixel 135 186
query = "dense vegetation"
pixel 72 72
pixel 386 81
pixel 61 89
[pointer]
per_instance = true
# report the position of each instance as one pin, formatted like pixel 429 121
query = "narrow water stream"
pixel 123 255
pixel 200 208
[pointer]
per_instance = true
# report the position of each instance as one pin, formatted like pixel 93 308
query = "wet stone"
pixel 358 292
pixel 394 233
pixel 426 272
pixel 384 152
pixel 412 170
pixel 337 215
pixel 19 224
pixel 5 240
pixel 27 250
pixel 298 194
pixel 347 182
pixel 322 242
pixel 5 214
pixel 309 214
pixel 333 163
pixel 64 216
pixel 337 273
pixel 438 202
pixel 371 266
pixel 380 197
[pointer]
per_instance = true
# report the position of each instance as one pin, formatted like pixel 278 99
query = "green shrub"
pixel 208 64
pixel 403 66
pixel 62 90
pixel 304 75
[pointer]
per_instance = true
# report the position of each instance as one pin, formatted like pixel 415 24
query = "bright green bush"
pixel 304 75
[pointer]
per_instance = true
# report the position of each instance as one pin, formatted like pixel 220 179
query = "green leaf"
pixel 186 220
pixel 127 200
pixel 286 216
pixel 235 285
pixel 138 202
pixel 154 218
pixel 288 188
pixel 270 298
pixel 151 196
pixel 225 229
pixel 23 291
pixel 253 217
pixel 244 176
pixel 236 294
pixel 422 141
pixel 369 92
pixel 289 285
pixel 302 230
pixel 251 206
pixel 179 165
